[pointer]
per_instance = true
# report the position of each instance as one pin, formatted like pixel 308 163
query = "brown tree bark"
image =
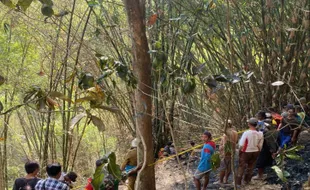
pixel 143 101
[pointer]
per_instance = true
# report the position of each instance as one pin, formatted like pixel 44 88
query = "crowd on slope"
pixel 268 133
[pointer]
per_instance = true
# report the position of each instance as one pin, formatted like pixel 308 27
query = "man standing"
pixel 250 145
pixel 227 148
pixel 204 166
pixel 52 182
pixel 31 179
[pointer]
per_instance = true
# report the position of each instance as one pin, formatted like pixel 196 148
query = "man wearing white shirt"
pixel 250 145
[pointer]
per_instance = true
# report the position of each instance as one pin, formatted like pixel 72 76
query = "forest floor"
pixel 169 176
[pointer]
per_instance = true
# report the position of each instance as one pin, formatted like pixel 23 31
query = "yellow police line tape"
pixel 188 150
pixel 170 157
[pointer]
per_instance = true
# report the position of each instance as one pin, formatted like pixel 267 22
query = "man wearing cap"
pixel 130 165
pixel 204 166
pixel 250 145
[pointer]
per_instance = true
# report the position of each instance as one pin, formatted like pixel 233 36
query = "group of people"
pixel 268 133
pixel 57 180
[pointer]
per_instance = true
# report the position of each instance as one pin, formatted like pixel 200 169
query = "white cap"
pixel 134 143
pixel 229 121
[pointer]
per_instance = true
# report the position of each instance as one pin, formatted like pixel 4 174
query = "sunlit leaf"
pixel 98 123
pixel 279 173
pixel 76 119
pixel 8 3
pixel 277 83
pixel 24 4
pixel 293 156
pixel 2 80
pixel 295 148
pixel 249 74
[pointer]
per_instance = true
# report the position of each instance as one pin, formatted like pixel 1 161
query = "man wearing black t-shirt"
pixel 30 180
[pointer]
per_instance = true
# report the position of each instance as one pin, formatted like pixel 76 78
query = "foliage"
pixel 285 153
pixel 106 168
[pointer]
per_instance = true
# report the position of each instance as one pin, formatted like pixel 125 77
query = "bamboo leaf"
pixel 87 98
pixel 295 148
pixel 59 95
pixel 76 119
pixel 277 83
pixel 98 123
pixel 111 109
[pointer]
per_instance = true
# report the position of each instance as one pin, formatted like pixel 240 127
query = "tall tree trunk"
pixel 143 104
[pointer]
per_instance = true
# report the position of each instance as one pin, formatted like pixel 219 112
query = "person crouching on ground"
pixel 250 145
pixel 227 148
pixel 204 166
pixel 130 165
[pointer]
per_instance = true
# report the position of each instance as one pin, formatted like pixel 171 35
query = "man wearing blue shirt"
pixel 204 166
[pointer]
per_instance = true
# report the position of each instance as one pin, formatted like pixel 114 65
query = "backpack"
pixel 26 186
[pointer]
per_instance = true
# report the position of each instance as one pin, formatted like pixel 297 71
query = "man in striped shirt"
pixel 250 145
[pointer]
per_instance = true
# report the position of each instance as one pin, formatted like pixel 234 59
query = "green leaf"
pixel 47 10
pixel 76 119
pixel 24 4
pixel 98 177
pixel 215 161
pixel 1 107
pixel 92 3
pixel 293 156
pixel 113 168
pixel 295 148
pixel 8 3
pixel 2 80
pixel 98 123
pixel 279 173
